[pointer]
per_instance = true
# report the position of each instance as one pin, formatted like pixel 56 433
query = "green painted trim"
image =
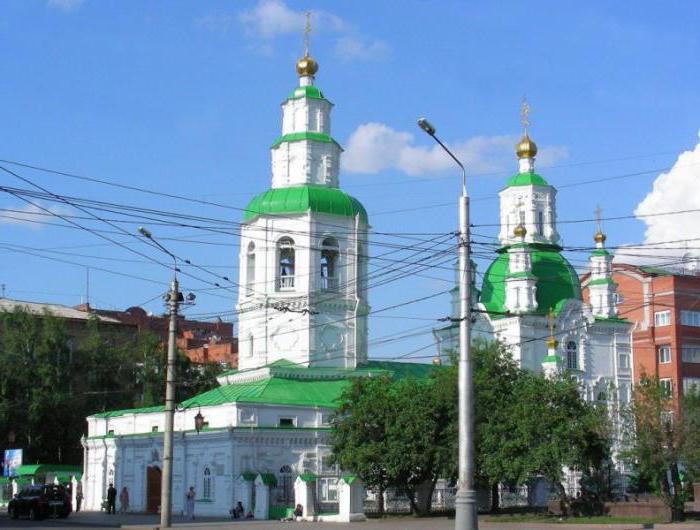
pixel 602 281
pixel 306 135
pixel 308 477
pixel 600 252
pixel 612 320
pixel 526 179
pixel 249 476
pixel 30 470
pixel 280 512
pixel 268 479
pixel 311 92
pixel 552 359
pixel 122 412
pixel 350 478
pixel 303 199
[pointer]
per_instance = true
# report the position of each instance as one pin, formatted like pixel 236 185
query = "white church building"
pixel 530 298
pixel 303 338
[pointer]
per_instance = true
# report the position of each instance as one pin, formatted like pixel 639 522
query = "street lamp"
pixel 173 298
pixel 465 500
pixel 198 421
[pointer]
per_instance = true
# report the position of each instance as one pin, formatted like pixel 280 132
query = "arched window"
pixel 329 262
pixel 285 271
pixel 206 486
pixel 286 485
pixel 540 223
pixel 250 269
pixel 251 345
pixel 571 355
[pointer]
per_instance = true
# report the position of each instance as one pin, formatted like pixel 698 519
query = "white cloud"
pixel 269 20
pixel 375 147
pixel 65 5
pixel 30 215
pixel 357 47
pixel 675 190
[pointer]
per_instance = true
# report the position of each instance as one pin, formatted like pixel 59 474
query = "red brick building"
pixel 203 342
pixel 665 309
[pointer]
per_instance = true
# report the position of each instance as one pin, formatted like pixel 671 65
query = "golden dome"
pixel 551 343
pixel 519 231
pixel 526 148
pixel 307 66
pixel 437 361
pixel 599 237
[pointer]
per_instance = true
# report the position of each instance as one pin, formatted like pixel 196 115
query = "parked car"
pixel 39 501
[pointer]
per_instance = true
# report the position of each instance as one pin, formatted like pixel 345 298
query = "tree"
pixel 663 444
pixel 360 438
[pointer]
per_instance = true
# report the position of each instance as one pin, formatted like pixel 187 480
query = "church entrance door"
pixel 153 475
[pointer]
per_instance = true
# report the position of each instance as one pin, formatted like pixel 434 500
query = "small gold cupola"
pixel 526 148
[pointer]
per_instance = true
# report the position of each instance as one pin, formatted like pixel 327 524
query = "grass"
pixel 543 518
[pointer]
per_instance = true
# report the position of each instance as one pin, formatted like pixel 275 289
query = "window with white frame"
pixel 623 393
pixel 691 385
pixel 328 489
pixel 662 318
pixel 286 264
pixel 690 318
pixel 207 484
pixel 664 353
pixel 691 353
pixel 246 416
pixel 250 269
pixel 667 386
pixel 571 355
pixel 623 357
pixel 329 262
pixel 328 467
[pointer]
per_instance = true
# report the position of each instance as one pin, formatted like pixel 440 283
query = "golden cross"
pixel 598 210
pixel 307 32
pixel 550 319
pixel 525 113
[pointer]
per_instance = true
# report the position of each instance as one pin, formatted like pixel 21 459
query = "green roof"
pixel 654 271
pixel 308 477
pixel 557 281
pixel 122 412
pixel 526 179
pixel 306 92
pixel 42 469
pixel 552 359
pixel 302 199
pixel 600 252
pixel 306 135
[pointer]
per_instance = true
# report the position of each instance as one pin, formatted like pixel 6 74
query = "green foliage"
pixel 404 433
pixel 51 379
pixel 663 444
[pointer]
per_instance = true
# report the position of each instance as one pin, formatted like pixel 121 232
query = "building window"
pixel 666 386
pixel 664 353
pixel 250 269
pixel 691 354
pixel 285 273
pixel 206 486
pixel 662 318
pixel 247 415
pixel 571 355
pixel 329 261
pixel 110 432
pixel 691 385
pixel 624 361
pixel 286 485
pixel 328 467
pixel 328 489
pixel 540 223
pixel 251 345
pixel 154 428
pixel 287 422
pixel 618 298
pixel 690 318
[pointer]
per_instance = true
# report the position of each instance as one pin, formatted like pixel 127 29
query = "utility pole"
pixel 173 300
pixel 465 499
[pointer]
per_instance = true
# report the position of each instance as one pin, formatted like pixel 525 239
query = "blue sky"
pixel 184 97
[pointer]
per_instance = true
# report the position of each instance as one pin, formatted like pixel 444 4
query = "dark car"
pixel 39 501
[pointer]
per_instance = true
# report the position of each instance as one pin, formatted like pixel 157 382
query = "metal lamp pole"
pixel 173 299
pixel 465 500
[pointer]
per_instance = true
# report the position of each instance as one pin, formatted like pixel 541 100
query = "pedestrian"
pixel 189 503
pixel 124 500
pixel 111 499
pixel 78 496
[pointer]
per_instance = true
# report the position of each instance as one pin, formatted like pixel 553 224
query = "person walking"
pixel 78 496
pixel 111 499
pixel 189 503
pixel 124 500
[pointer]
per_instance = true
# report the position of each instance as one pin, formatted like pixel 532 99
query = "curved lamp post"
pixel 465 500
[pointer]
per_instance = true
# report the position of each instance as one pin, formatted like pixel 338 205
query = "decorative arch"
pixel 250 269
pixel 330 254
pixel 286 263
